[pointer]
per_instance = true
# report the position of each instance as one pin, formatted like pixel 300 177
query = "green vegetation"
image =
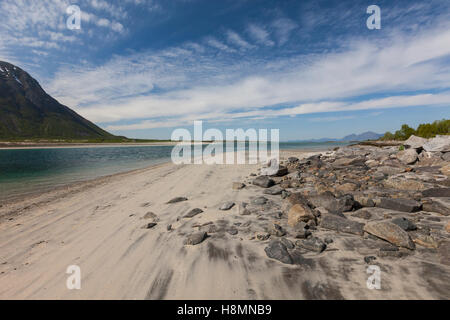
pixel 426 130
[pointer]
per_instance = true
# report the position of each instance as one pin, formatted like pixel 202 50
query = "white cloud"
pixel 194 82
pixel 236 39
pixel 260 35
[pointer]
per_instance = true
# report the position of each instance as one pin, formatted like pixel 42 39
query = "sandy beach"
pixel 100 227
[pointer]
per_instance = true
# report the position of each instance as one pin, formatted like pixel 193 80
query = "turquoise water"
pixel 24 171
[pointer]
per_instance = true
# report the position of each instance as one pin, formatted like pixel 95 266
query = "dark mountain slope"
pixel 28 112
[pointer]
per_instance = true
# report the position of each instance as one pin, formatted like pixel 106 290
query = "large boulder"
pixel 337 223
pixel 390 232
pixel 408 156
pixel 400 204
pixel 439 143
pixel 299 213
pixel 278 251
pixel 334 205
pixel 436 192
pixel 263 182
pixel 415 142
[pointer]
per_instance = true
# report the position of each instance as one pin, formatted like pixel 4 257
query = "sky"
pixel 312 69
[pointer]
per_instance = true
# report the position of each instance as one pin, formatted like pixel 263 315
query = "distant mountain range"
pixel 369 135
pixel 28 112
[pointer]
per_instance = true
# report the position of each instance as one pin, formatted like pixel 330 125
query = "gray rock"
pixel 262 236
pixel 408 156
pixel 152 216
pixel 233 231
pixel 177 199
pixel 276 230
pixel 390 232
pixel 259 201
pixel 292 160
pixel 263 181
pixel 278 251
pixel 282 171
pixel 400 204
pixel 227 205
pixel 302 234
pixel 344 162
pixel 404 223
pixel 436 192
pixel 329 202
pixel 438 205
pixel 415 142
pixel 150 225
pixel 337 223
pixel 288 243
pixel 369 259
pixel 193 213
pixel 195 238
pixel 275 190
pixel 312 244
pixel 439 143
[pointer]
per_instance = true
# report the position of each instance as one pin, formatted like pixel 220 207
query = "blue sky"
pixel 312 69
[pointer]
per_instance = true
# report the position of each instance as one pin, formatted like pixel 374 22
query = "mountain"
pixel 28 112
pixel 369 135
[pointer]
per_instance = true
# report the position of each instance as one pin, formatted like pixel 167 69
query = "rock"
pixel 275 190
pixel 288 243
pixel 169 227
pixel 233 231
pixel 404 184
pixel 344 162
pixel 447 227
pixel 408 156
pixel 436 192
pixel 400 204
pixel 364 201
pixel 346 187
pixel 369 259
pixel 362 214
pixel 276 230
pixel 299 213
pixel 292 160
pixel 444 252
pixel 446 156
pixel 404 223
pixel 334 205
pixel 150 225
pixel 337 223
pixel 263 181
pixel 302 233
pixel 446 170
pixel 259 201
pixel 262 236
pixel 277 250
pixel 195 238
pixel 415 142
pixel 439 143
pixel 390 232
pixel 227 205
pixel 193 213
pixel 282 171
pixel 438 205
pixel 387 170
pixel 238 185
pixel 312 244
pixel 393 252
pixel 424 240
pixel 177 199
pixel 152 216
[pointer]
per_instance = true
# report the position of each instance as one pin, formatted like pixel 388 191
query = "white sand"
pixel 98 226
